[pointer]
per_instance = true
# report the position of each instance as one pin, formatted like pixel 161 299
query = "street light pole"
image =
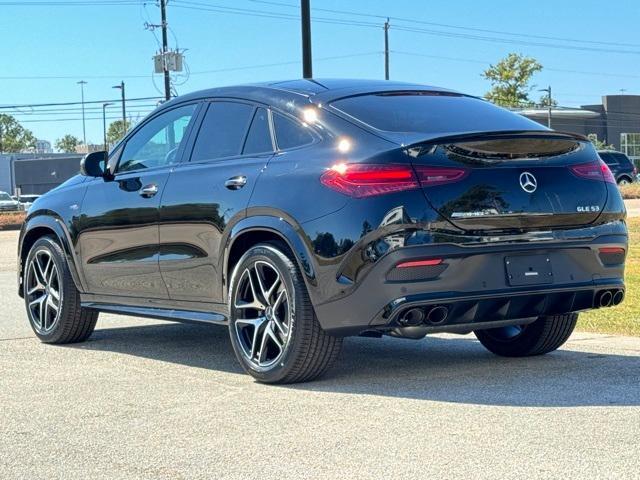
pixel 104 124
pixel 124 112
pixel 82 83
pixel 549 104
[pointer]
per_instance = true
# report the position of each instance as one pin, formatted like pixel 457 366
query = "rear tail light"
pixel 365 180
pixel 596 170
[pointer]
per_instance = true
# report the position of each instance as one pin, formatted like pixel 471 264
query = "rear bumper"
pixel 473 284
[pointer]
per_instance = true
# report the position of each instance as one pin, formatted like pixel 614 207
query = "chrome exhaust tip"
pixel 618 297
pixel 437 315
pixel 605 298
pixel 412 317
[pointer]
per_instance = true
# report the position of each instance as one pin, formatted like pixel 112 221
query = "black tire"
pixel 544 335
pixel 71 323
pixel 308 351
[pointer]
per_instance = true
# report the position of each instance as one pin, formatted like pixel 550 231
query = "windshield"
pixel 431 112
pixel 5 197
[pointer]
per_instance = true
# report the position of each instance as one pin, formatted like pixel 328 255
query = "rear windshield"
pixel 431 112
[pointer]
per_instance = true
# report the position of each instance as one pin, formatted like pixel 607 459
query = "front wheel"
pixel 52 299
pixel 274 330
pixel 542 336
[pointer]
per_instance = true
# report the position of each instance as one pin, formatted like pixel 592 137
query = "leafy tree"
pixel 13 136
pixel 510 79
pixel 599 144
pixel 68 144
pixel 544 101
pixel 116 131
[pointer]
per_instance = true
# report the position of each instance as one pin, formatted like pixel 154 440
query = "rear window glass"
pixel 431 112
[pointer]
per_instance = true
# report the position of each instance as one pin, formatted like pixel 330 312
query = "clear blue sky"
pixel 105 41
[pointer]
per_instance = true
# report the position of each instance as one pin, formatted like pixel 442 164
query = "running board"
pixel 187 316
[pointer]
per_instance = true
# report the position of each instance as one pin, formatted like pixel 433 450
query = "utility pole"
pixel 104 124
pixel 386 49
pixel 305 16
pixel 165 49
pixel 82 83
pixel 124 111
pixel 549 104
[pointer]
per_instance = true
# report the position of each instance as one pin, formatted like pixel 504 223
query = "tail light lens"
pixel 597 170
pixel 365 180
pixel 361 180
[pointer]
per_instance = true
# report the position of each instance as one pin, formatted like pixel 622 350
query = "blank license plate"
pixel 529 270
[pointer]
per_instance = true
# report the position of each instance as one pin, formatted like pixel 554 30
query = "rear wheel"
pixel 542 336
pixel 51 297
pixel 274 331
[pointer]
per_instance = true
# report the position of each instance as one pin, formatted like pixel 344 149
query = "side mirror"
pixel 93 164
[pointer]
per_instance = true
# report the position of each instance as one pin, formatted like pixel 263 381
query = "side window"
pixel 622 160
pixel 259 137
pixel 290 133
pixel 222 132
pixel 157 142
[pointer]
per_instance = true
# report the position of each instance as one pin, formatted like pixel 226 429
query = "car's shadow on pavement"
pixel 454 369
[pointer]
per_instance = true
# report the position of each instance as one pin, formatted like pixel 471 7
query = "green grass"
pixel 625 318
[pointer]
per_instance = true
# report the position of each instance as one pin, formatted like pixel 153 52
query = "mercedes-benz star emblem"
pixel 528 182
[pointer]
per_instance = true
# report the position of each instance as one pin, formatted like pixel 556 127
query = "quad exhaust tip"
pixel 609 298
pixel 429 316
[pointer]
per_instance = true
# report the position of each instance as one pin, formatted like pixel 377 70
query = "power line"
pixel 460 27
pixel 30 105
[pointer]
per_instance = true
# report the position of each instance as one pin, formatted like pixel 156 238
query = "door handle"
pixel 236 183
pixel 148 191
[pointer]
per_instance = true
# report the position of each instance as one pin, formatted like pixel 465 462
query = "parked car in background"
pixel 620 165
pixel 27 200
pixel 301 212
pixel 8 204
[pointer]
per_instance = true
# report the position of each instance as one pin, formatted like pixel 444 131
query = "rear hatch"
pixel 506 181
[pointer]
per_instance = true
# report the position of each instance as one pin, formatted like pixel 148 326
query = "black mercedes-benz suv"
pixel 300 212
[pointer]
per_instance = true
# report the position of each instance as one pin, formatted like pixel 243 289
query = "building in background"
pixel 615 122
pixel 35 174
pixel 43 146
pixel 89 148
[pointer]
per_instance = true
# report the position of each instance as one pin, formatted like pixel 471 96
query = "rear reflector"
pixel 365 180
pixel 596 170
pixel 611 255
pixel 432 176
pixel 420 263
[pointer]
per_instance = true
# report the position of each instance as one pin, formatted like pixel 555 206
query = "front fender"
pixel 42 223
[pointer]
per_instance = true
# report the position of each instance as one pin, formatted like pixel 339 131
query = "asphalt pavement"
pixel 151 400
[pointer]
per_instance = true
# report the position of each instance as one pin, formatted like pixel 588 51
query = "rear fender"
pixel 284 228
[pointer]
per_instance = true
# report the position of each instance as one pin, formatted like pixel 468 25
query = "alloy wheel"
pixel 263 315
pixel 43 292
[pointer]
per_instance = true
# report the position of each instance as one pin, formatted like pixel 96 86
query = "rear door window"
pixel 259 136
pixel 290 133
pixel 609 158
pixel 222 131
pixel 622 159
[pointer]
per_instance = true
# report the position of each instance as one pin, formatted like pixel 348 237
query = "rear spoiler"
pixel 490 144
pixel 497 135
